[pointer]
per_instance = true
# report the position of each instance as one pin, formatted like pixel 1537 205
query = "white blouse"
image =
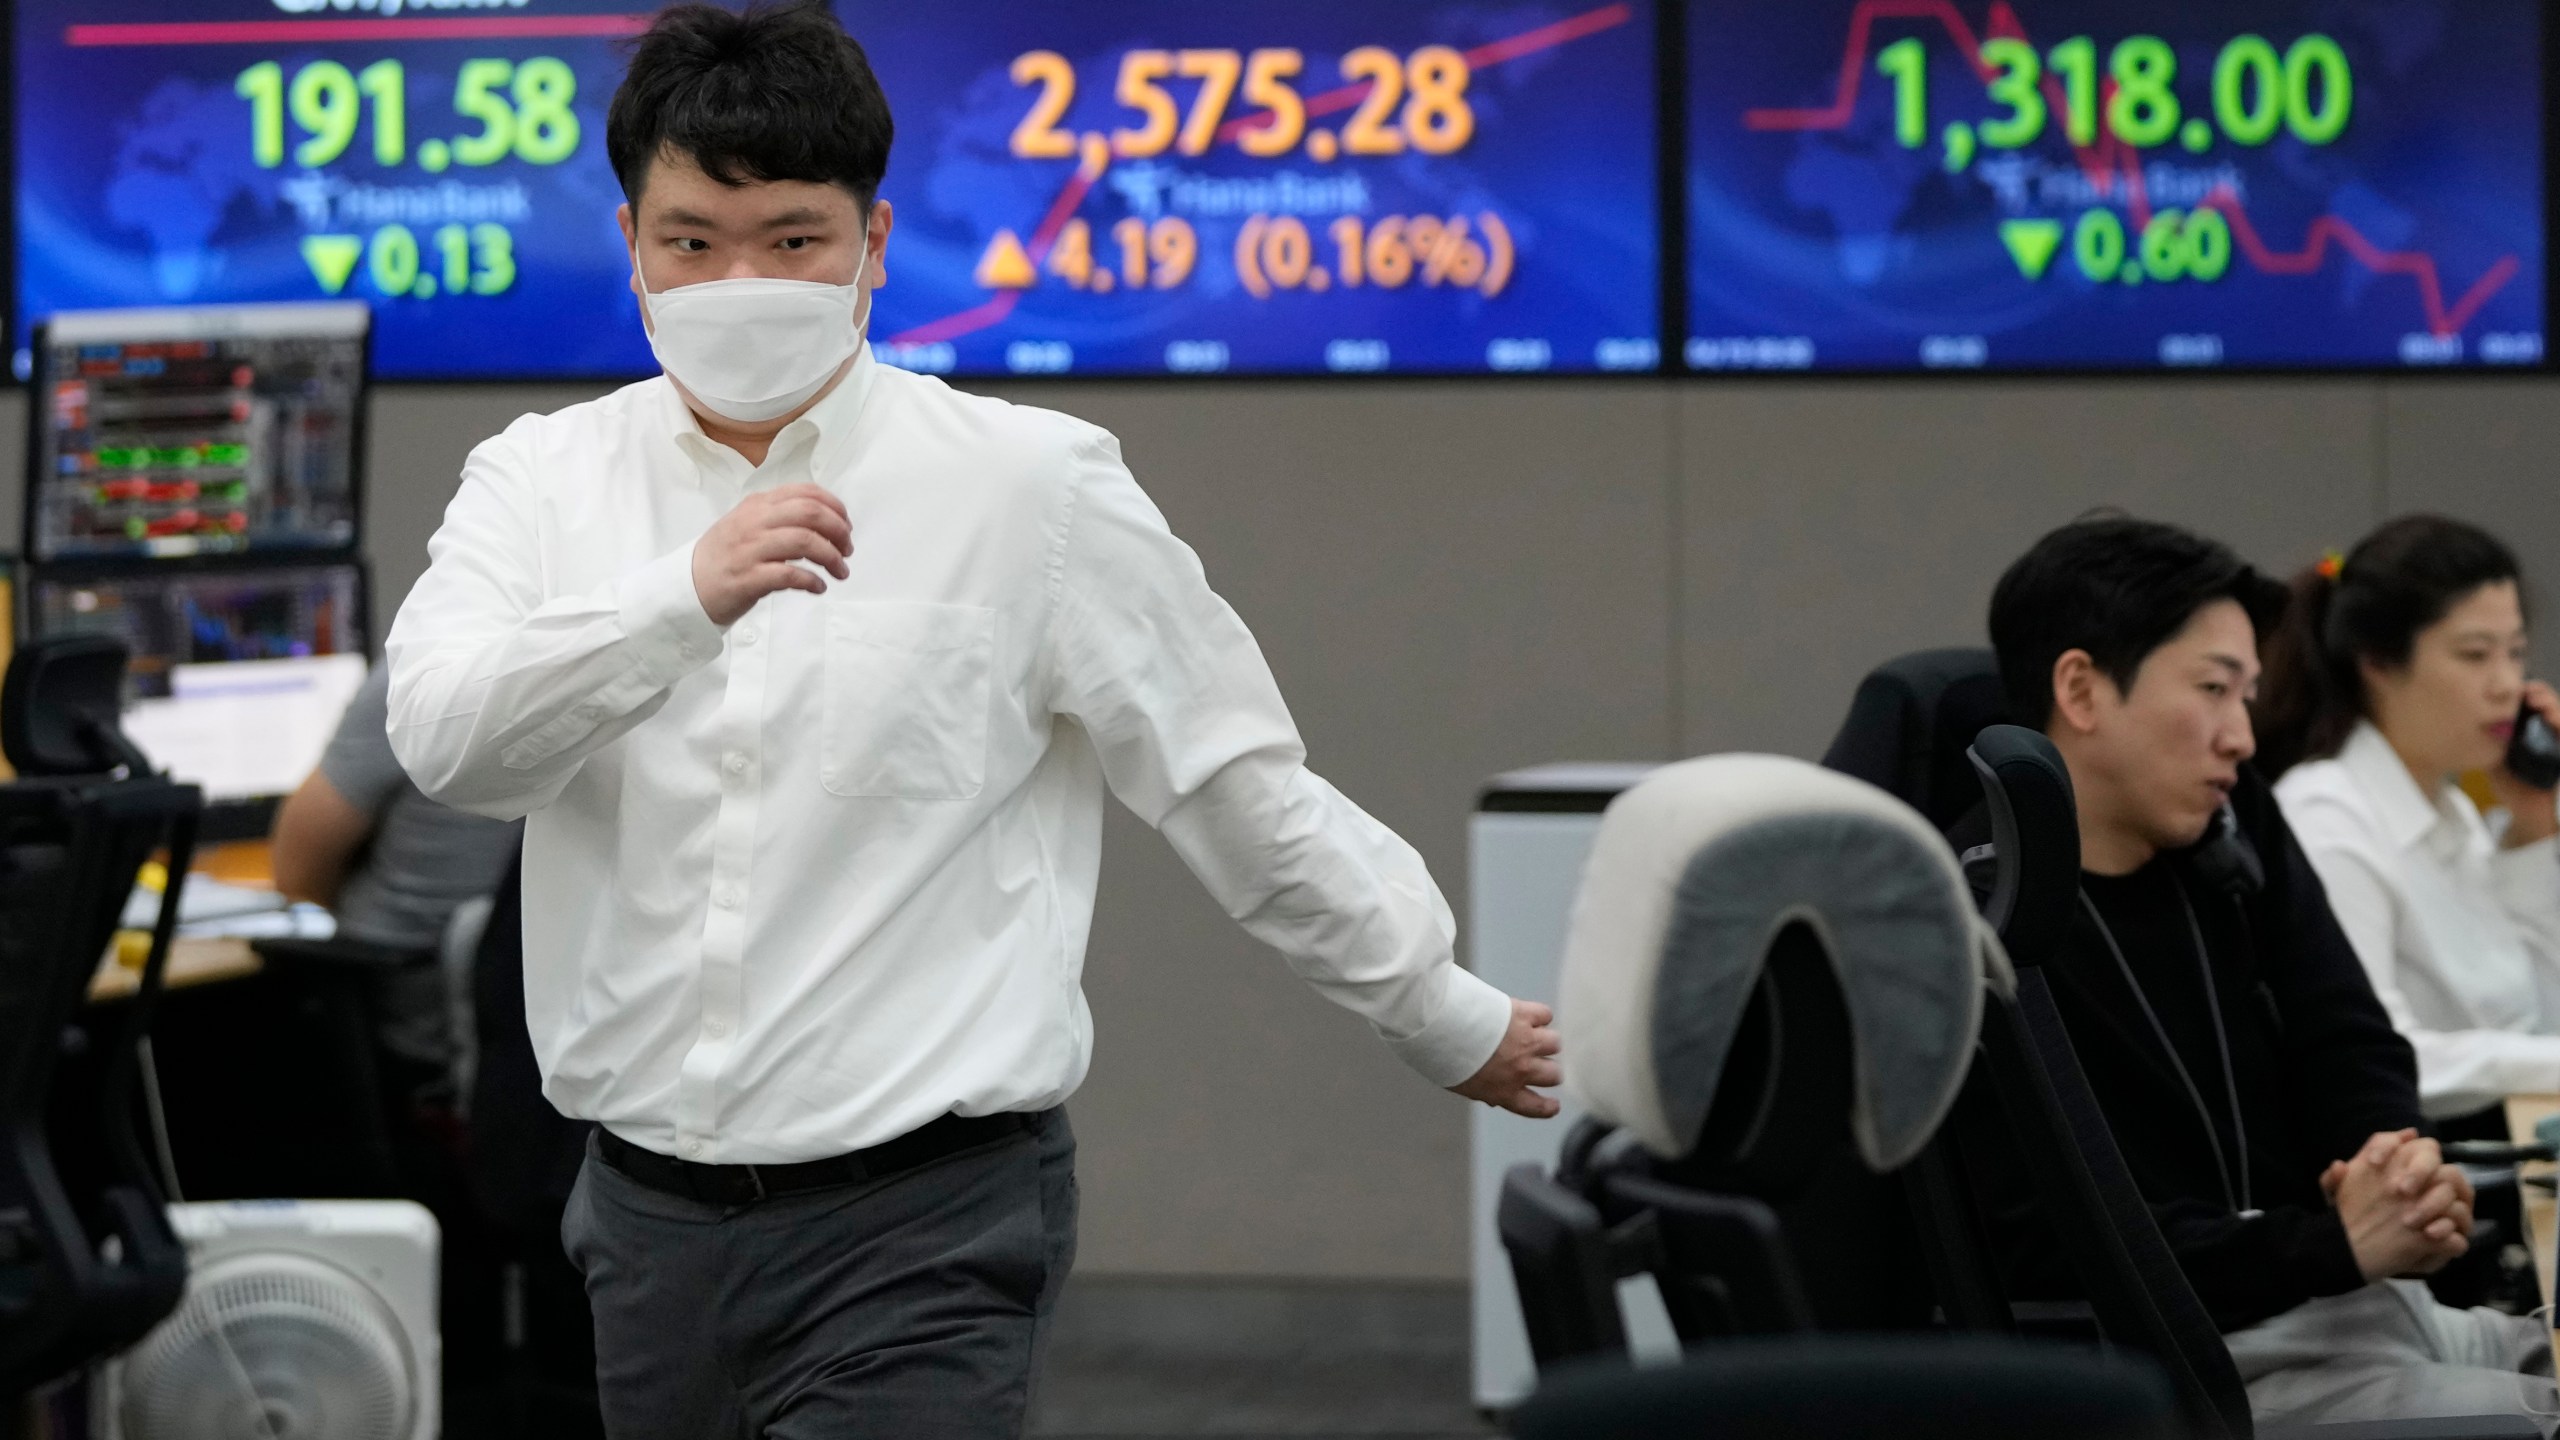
pixel 2461 938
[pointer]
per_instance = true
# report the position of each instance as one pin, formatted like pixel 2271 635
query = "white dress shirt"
pixel 800 886
pixel 2461 938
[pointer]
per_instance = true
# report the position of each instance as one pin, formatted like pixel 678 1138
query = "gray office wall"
pixel 1451 580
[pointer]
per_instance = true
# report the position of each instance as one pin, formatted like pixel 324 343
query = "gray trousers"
pixel 911 1307
pixel 2390 1352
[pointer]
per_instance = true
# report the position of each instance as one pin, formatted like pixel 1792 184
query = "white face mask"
pixel 754 349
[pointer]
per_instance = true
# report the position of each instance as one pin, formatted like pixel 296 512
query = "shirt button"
pixel 726 898
pixel 685 650
pixel 747 635
pixel 693 1149
pixel 589 712
pixel 737 763
pixel 715 1027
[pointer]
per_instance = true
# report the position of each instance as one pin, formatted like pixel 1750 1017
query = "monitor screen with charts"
pixel 237 678
pixel 213 430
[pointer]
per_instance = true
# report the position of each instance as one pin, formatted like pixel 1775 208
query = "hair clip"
pixel 2332 565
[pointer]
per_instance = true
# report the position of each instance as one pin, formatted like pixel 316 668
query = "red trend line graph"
pixel 2111 157
pixel 1326 102
pixel 2418 267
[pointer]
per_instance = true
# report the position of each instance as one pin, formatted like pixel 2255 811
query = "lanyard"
pixel 2238 1198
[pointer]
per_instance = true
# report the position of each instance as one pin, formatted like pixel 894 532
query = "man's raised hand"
pixel 747 554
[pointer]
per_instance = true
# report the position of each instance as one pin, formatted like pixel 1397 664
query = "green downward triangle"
pixel 332 259
pixel 2032 244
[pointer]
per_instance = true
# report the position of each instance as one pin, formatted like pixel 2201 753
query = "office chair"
pixel 80 1275
pixel 2029 1093
pixel 1774 980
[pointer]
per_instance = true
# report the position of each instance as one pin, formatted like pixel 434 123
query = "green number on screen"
pixel 2208 245
pixel 2076 61
pixel 2318 57
pixel 2097 242
pixel 1907 61
pixel 472 85
pixel 262 85
pixel 453 242
pixel 386 84
pixel 394 260
pixel 2016 87
pixel 2248 65
pixel 546 128
pixel 2145 111
pixel 325 104
pixel 496 248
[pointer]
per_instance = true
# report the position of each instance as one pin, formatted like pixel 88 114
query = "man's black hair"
pixel 2118 588
pixel 773 92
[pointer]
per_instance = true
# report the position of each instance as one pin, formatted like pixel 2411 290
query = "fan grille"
pixel 313 1354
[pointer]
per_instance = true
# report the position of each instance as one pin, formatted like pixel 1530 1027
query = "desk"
pixel 2541 1211
pixel 199 961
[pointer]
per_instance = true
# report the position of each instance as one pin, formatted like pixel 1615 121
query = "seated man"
pixel 392 866
pixel 2263 1101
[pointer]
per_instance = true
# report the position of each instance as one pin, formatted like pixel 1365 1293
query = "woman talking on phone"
pixel 2400 668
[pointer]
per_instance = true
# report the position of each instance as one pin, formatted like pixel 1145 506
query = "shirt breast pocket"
pixel 908 688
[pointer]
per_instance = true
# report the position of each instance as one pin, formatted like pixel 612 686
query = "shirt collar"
pixel 829 426
pixel 2406 812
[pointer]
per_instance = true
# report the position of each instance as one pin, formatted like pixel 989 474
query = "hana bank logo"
pixel 391 7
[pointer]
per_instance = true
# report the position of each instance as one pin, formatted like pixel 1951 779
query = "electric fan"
pixel 303 1320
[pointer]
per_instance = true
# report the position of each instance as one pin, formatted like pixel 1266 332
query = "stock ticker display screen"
pixel 2115 184
pixel 1161 185
pixel 1131 187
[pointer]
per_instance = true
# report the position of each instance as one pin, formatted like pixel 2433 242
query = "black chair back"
pixel 1908 726
pixel 64 708
pixel 2086 1192
pixel 70 848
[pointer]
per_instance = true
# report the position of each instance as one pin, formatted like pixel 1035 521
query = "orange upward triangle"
pixel 1006 266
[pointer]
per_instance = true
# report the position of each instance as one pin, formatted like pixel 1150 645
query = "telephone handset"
pixel 2224 858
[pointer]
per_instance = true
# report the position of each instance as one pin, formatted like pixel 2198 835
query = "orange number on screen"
pixel 1140 70
pixel 1369 132
pixel 1266 83
pixel 1038 136
pixel 1216 70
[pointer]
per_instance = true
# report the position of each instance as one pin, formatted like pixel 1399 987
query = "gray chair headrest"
pixel 1694 874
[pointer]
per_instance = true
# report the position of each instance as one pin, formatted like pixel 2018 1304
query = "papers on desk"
pixel 209 907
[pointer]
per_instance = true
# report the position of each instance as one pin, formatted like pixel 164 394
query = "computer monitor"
pixel 210 430
pixel 237 677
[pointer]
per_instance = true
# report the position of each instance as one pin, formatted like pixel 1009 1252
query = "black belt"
pixel 746 1184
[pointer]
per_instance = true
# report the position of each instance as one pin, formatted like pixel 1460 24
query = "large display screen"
pixel 1146 186
pixel 1121 187
pixel 442 161
pixel 2115 184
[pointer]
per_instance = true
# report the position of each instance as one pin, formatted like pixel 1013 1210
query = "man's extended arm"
pixel 1193 737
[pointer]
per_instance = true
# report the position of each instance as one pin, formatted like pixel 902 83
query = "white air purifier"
pixel 303 1320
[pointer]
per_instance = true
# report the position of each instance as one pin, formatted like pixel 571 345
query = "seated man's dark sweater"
pixel 2318 1068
